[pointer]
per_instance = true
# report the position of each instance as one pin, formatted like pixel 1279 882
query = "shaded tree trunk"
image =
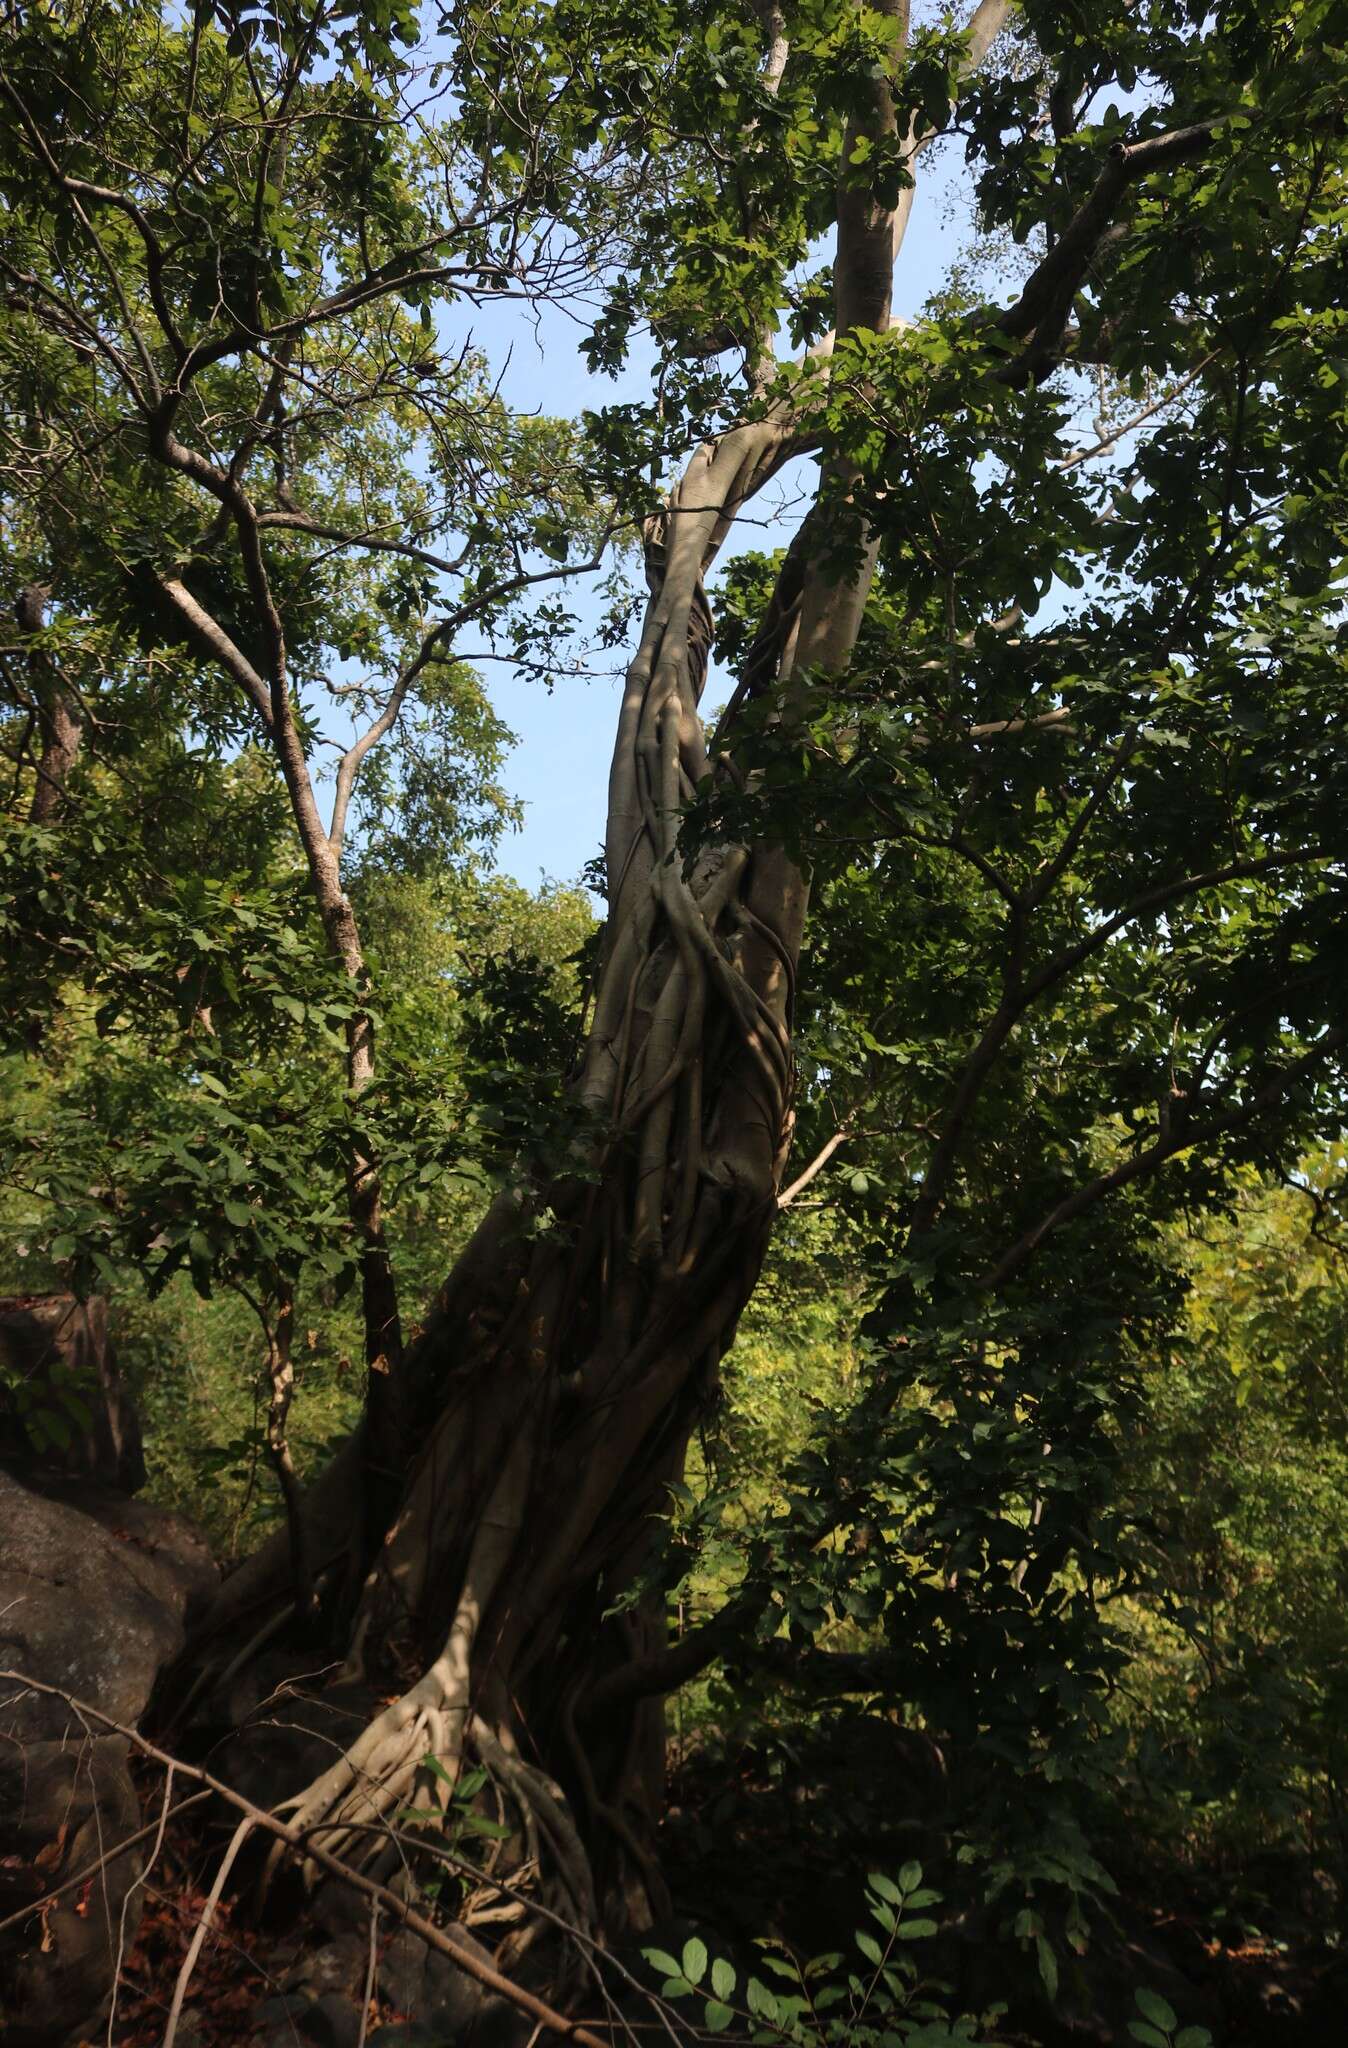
pixel 576 1342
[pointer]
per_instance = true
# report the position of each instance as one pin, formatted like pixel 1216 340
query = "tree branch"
pixel 299 522
pixel 106 264
pixel 1180 1136
pixel 815 1167
pixel 349 766
pixel 213 635
pixel 1045 303
pixel 979 1062
pixel 664 1671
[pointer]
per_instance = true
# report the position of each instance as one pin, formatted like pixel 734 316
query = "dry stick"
pixel 127 1895
pixel 294 1839
pixel 369 1974
pixel 118 1849
pixel 204 1925
pixel 815 1166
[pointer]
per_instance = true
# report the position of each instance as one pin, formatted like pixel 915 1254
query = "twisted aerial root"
pixel 543 1807
pixel 429 1723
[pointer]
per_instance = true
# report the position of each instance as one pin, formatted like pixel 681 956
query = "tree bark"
pixel 59 718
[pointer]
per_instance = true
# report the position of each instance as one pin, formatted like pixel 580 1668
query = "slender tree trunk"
pixel 58 715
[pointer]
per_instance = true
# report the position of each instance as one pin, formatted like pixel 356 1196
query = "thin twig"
pixel 369 1974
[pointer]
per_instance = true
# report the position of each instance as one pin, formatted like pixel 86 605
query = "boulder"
pixel 96 1602
pixel 285 1735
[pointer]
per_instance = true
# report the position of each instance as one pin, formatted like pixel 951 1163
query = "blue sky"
pixel 559 769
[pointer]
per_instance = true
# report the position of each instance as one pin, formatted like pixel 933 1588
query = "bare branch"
pixel 106 263
pixel 435 638
pixel 815 1167
pixel 293 1841
pixel 1109 442
pixel 299 522
pixel 231 657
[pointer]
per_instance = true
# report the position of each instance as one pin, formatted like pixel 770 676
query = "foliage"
pixel 1030 1445
pixel 881 1996
pixel 144 1151
pixel 1236 1703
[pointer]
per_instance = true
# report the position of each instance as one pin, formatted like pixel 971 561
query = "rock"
pixel 339 1909
pixel 53 1346
pixel 74 1611
pixel 162 1549
pixel 500 2024
pixel 94 1604
pixel 291 1736
pixel 283 2011
pixel 61 1804
pixel 402 1974
pixel 333 2022
pixel 453 2003
pixel 339 1966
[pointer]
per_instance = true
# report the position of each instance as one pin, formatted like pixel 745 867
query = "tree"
pixel 211 326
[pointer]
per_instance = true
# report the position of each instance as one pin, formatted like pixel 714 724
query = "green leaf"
pixel 489 1830
pixel 781 1967
pixel 1048 1965
pixel 1149 2036
pixel 659 1959
pixel 1153 2007
pixel 761 2000
pixel 694 1959
pixel 722 1977
pixel 719 2016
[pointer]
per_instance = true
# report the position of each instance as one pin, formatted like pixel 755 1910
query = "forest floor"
pixel 767 1843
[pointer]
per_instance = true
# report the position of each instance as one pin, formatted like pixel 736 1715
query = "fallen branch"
pixel 295 1840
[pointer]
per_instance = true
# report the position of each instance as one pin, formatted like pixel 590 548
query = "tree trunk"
pixel 574 1345
pixel 570 1351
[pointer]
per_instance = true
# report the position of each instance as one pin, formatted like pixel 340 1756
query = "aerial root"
pixel 352 1808
pixel 377 1773
pixel 547 1825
